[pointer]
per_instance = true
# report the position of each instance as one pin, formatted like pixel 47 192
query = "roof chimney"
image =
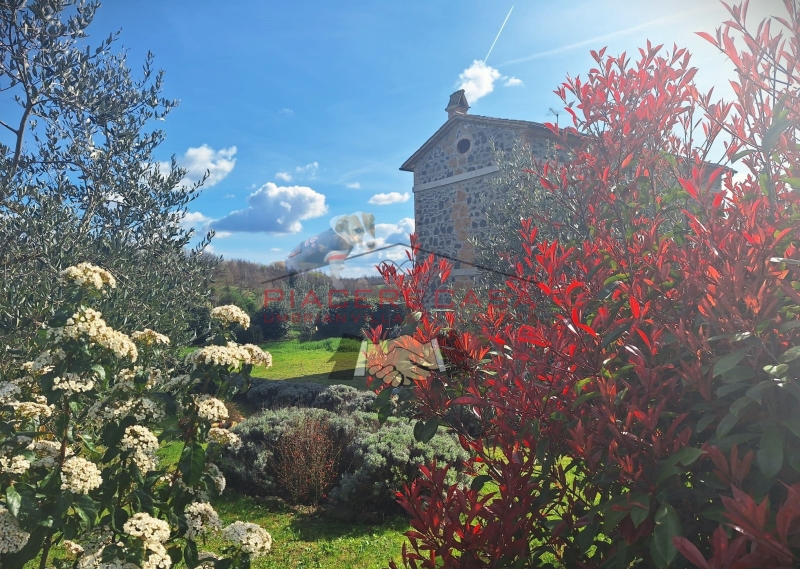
pixel 458 104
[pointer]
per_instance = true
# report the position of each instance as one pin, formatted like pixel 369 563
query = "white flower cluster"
pixel 44 362
pixel 225 438
pixel 154 533
pixel 149 337
pixel 144 445
pixel 73 383
pixel 256 355
pixel 251 538
pixel 231 313
pixel 143 410
pixel 93 548
pixel 73 548
pixel 211 409
pixel 12 538
pixel 230 355
pixel 226 356
pixel 31 410
pixel 201 519
pixel 14 465
pixel 48 452
pixel 147 528
pixel 157 560
pixel 170 384
pixel 126 377
pixel 8 393
pixel 89 323
pixel 80 476
pixel 86 274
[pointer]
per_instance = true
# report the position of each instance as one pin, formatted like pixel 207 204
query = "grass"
pixel 303 539
pixel 293 360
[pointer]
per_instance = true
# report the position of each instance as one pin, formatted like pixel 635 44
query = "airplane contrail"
pixel 498 35
pixel 605 37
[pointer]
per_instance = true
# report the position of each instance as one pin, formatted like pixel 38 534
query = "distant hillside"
pixel 249 279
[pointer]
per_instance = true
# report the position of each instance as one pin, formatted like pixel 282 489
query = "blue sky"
pixel 317 104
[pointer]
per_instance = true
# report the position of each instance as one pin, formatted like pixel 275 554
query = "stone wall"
pixel 445 160
pixel 449 214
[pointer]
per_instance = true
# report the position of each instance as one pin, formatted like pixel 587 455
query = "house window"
pixel 463 145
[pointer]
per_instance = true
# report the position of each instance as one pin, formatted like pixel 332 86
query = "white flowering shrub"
pixel 80 426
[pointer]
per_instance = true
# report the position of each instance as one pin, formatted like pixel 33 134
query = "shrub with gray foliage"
pixel 384 460
pixel 375 460
pixel 279 394
pixel 251 469
pixel 344 399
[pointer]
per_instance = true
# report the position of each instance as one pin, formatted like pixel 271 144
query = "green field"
pixel 293 360
pixel 305 539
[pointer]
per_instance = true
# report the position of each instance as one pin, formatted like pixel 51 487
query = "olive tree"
pixel 79 181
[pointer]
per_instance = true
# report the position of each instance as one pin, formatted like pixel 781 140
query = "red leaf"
pixel 529 335
pixel 689 551
pixel 707 36
pixel 688 185
pixel 466 400
pixel 627 161
pixel 635 309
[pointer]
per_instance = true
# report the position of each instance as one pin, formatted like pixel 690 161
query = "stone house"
pixel 451 179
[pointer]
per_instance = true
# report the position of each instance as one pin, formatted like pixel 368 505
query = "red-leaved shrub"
pixel 652 420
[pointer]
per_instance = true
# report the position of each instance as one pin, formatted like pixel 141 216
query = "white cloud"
pixel 222 234
pixel 286 112
pixel 195 220
pixel 275 209
pixel 113 199
pixel 308 171
pixel 196 161
pixel 276 249
pixel 512 82
pixel 353 185
pixel 477 80
pixel 395 232
pixel 230 195
pixel 390 198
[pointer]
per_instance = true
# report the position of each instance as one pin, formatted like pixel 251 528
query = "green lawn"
pixel 293 360
pixel 307 540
